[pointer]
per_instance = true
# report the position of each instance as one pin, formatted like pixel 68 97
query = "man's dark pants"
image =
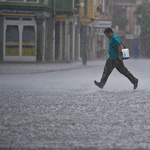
pixel 118 64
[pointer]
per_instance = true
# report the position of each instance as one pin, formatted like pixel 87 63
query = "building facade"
pixel 25 30
pixel 67 39
pixel 39 30
pixel 52 30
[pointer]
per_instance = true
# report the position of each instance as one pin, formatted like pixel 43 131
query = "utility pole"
pixel 84 56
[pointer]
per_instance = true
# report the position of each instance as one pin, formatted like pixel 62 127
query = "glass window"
pixel 12 41
pixel 28 41
pixel 28 34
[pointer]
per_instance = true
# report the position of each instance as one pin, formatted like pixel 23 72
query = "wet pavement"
pixel 39 67
pixel 61 108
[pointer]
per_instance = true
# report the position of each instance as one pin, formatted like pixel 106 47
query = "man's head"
pixel 109 32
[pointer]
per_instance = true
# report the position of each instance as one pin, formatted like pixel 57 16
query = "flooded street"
pixel 65 110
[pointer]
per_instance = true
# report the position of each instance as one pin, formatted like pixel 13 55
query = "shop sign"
pixel 61 17
pixel 17 12
pixel 102 24
pixel 85 20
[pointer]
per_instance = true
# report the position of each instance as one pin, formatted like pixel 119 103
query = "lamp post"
pixel 84 56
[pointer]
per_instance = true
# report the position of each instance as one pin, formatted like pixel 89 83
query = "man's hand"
pixel 120 58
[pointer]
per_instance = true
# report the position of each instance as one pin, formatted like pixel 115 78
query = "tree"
pixel 143 20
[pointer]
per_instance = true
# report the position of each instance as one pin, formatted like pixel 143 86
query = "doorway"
pixel 20 39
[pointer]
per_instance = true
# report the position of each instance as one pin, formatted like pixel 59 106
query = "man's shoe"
pixel 98 84
pixel 135 85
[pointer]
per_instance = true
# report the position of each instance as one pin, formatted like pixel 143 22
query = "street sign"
pixel 85 20
pixel 102 24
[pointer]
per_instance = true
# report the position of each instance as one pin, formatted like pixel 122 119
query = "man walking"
pixel 114 60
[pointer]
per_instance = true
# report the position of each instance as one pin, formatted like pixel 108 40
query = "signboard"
pixel 61 17
pixel 129 36
pixel 18 12
pixel 85 20
pixel 102 24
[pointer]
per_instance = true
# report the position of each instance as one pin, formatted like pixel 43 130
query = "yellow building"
pixel 92 6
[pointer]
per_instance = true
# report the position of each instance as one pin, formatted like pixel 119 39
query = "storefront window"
pixel 28 41
pixel 12 41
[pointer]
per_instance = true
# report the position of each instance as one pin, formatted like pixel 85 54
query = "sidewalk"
pixel 36 67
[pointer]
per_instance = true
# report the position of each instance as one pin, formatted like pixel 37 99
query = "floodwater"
pixel 65 110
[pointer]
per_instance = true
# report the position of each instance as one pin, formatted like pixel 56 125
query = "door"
pixel 28 41
pixel 12 40
pixel 20 39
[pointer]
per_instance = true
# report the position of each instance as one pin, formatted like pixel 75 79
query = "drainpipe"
pixel 79 33
pixel 43 58
pixel 73 4
pixel 60 41
pixel 69 43
pixel 84 57
pixel 54 31
pixel 73 42
pixel 73 35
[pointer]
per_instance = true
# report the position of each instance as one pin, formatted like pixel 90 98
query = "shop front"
pixel 20 34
